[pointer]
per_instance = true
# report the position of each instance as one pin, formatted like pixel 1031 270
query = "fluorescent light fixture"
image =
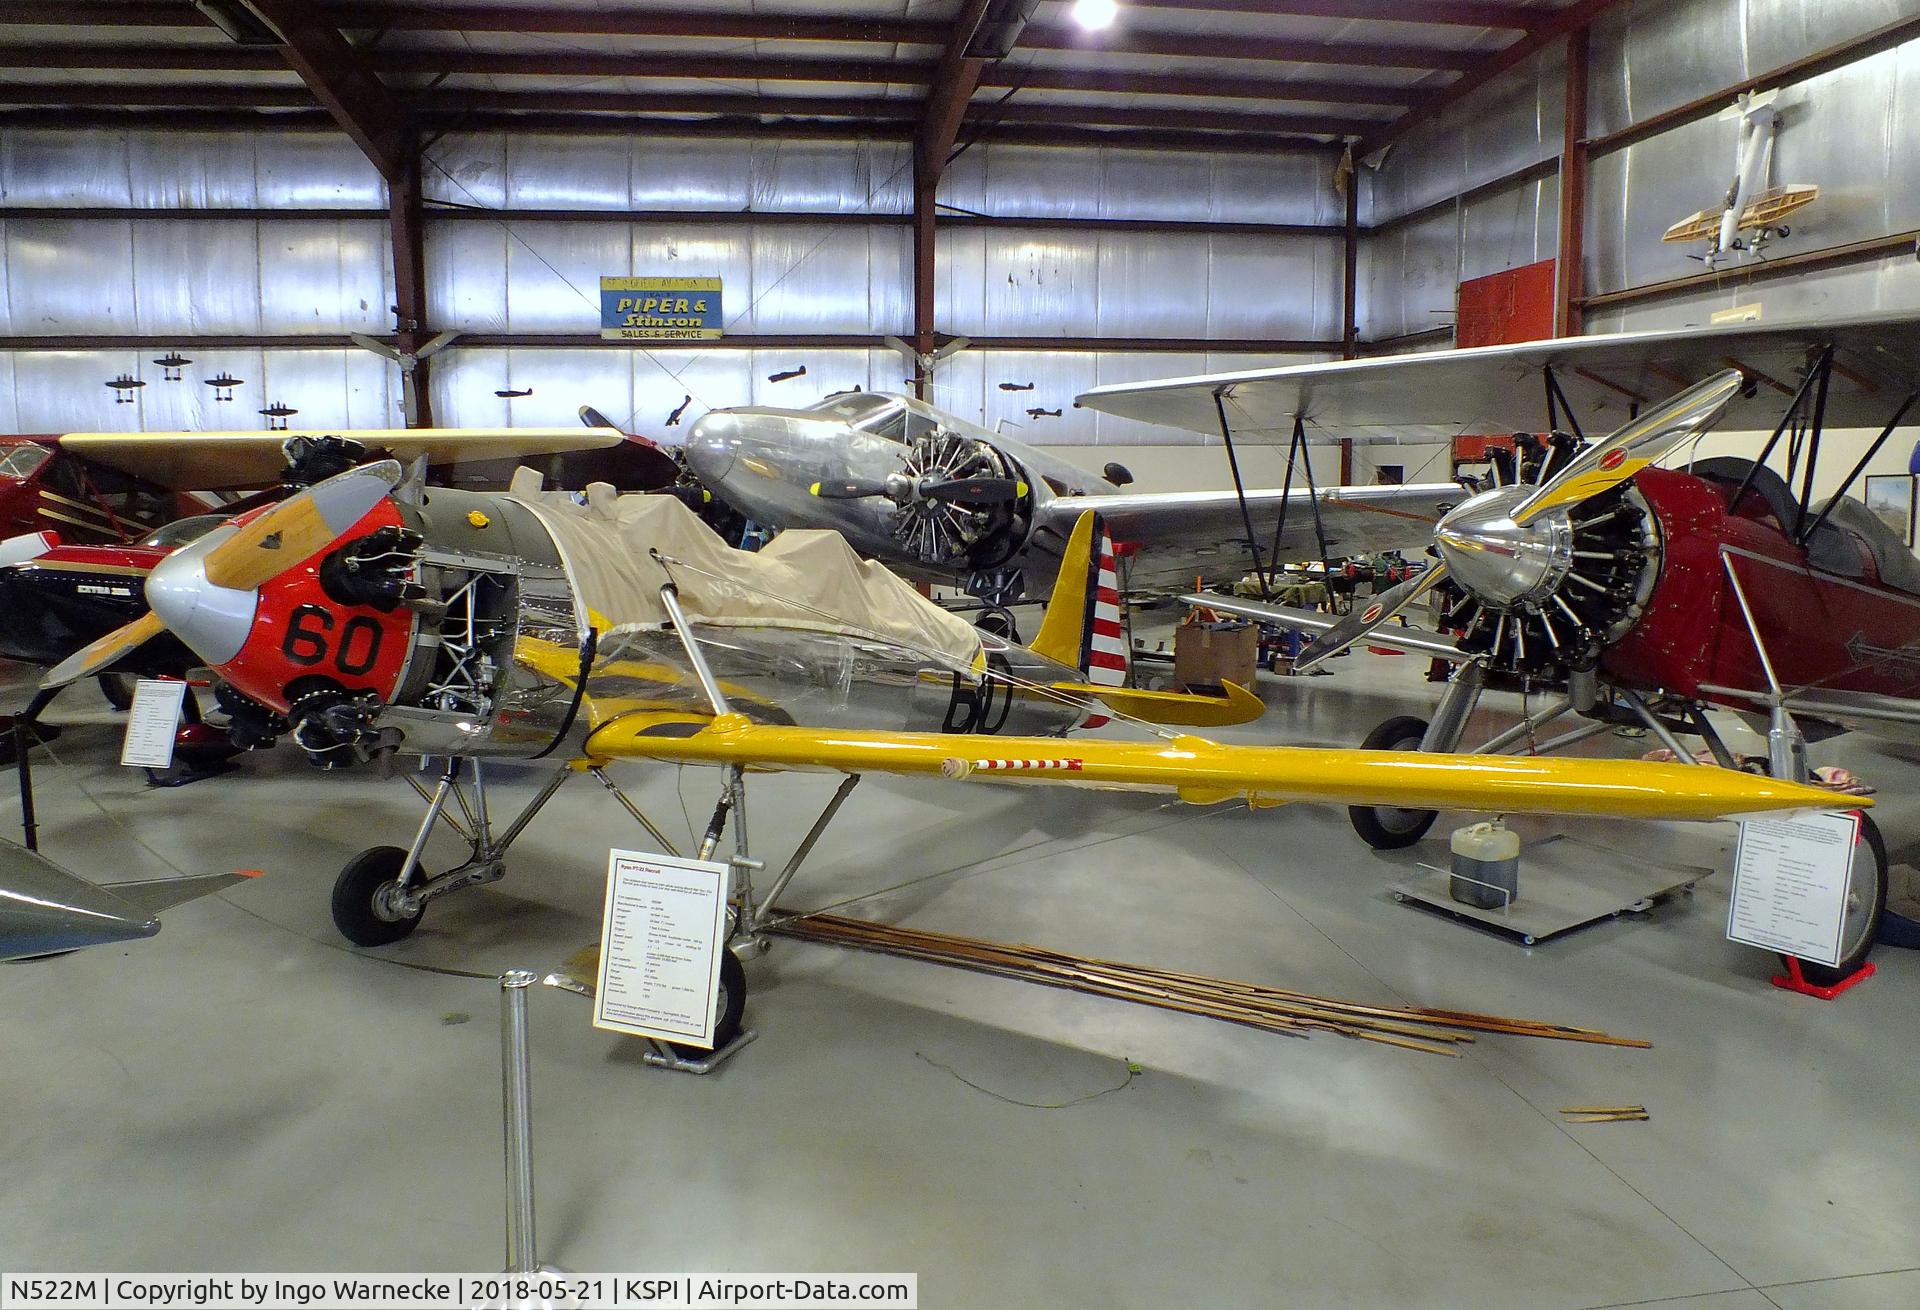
pixel 1095 14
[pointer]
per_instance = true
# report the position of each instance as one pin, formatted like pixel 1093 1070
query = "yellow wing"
pixel 1206 772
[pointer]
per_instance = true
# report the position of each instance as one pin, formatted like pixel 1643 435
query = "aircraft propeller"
pixel 204 593
pixel 1511 546
pixel 903 490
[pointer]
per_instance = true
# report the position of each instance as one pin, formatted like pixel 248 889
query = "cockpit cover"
pixel 802 579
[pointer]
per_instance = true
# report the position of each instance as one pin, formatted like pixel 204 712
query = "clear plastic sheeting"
pixel 116 168
pixel 1010 281
pixel 1507 228
pixel 66 391
pixel 197 277
pixel 529 275
pixel 649 171
pixel 1020 181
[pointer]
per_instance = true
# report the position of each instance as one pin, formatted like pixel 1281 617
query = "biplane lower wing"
pixel 1207 772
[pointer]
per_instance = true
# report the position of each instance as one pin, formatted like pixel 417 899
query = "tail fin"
pixel 1081 628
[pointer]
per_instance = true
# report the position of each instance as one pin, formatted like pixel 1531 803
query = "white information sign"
pixel 660 944
pixel 1790 884
pixel 151 724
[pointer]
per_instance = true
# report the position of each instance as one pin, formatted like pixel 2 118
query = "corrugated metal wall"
pixel 1850 131
pixel 501 274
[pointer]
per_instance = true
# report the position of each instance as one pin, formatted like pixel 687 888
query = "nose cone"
pixel 713 444
pixel 213 621
pixel 45 910
pixel 1499 561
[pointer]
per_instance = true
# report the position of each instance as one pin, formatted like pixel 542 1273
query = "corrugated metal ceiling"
pixel 1186 71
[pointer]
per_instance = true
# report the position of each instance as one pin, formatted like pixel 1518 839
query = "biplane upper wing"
pixel 224 461
pixel 1207 772
pixel 1434 397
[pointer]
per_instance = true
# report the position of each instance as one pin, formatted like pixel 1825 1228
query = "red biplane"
pixel 1640 594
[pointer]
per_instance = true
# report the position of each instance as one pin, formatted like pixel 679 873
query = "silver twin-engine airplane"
pixel 944 500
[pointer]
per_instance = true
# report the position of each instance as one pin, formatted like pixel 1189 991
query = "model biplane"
pixel 370 614
pixel 1752 213
pixel 1638 595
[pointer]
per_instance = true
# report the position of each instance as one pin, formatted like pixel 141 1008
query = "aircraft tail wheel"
pixel 1866 904
pixel 118 689
pixel 1388 827
pixel 727 1014
pixel 356 893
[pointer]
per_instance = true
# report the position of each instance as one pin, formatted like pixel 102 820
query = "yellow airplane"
pixel 369 614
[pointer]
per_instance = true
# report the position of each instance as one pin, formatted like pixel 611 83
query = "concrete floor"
pixel 244 1092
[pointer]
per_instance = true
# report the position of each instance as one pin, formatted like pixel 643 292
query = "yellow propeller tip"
pixel 814 490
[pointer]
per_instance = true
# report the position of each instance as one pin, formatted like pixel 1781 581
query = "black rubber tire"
pixel 1388 827
pixel 353 898
pixel 118 689
pixel 727 1015
pixel 1822 975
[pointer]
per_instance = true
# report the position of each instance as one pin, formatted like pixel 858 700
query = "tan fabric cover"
pixel 803 579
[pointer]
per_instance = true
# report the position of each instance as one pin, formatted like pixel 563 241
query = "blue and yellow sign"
pixel 660 308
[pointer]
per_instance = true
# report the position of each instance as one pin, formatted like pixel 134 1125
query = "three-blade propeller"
pixel 946 491
pixel 1475 529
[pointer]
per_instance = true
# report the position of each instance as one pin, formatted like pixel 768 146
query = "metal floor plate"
pixel 1565 883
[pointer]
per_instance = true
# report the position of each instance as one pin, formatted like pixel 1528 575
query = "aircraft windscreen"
pixel 864 410
pixel 181 531
pixel 21 461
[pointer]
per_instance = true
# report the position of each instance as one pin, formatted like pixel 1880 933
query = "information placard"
pixel 1790 884
pixel 660 943
pixel 152 722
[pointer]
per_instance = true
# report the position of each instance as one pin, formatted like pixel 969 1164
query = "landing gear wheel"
pixel 1866 903
pixel 118 689
pixel 727 1014
pixel 1388 827
pixel 354 898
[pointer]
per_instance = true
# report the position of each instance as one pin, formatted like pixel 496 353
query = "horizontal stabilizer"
pixel 1181 708
pixel 45 910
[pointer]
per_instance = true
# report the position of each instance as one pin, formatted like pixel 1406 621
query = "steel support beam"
pixel 1445 13
pixel 1350 280
pixel 342 81
pixel 1552 25
pixel 1571 254
pixel 945 110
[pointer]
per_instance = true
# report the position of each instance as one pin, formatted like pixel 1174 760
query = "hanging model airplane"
pixel 362 617
pixel 1640 595
pixel 1751 214
pixel 944 500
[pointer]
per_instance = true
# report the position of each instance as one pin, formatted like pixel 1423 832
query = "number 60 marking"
pixel 307 641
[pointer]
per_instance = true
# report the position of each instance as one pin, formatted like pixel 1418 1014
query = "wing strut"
pixel 1564 410
pixel 1795 409
pixel 1298 449
pixel 1240 492
pixel 1861 467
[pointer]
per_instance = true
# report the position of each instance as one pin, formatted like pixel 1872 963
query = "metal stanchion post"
pixel 517 1095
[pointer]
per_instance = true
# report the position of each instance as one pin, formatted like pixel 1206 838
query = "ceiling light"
pixel 1095 14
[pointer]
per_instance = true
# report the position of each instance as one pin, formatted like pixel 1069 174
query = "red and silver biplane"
pixel 1641 594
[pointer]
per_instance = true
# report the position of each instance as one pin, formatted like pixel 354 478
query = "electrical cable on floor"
pixel 80 785
pixel 1133 1071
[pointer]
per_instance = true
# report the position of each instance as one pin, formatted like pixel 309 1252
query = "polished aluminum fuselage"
pixel 765 461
